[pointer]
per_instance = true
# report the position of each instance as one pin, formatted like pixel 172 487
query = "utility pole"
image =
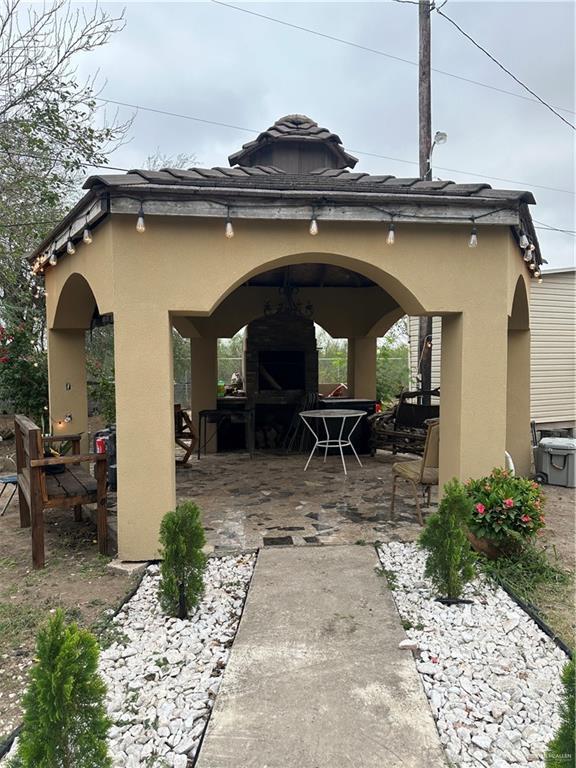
pixel 425 148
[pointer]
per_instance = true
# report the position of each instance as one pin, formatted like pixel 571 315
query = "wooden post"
pixel 424 89
pixel 425 146
pixel 100 471
pixel 36 503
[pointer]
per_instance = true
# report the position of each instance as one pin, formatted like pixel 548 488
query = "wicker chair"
pixel 422 474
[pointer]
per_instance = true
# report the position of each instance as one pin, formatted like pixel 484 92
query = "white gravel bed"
pixel 163 679
pixel 491 675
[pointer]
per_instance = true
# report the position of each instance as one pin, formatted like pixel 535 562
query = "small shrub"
pixel 562 749
pixel 506 509
pixel 450 561
pixel 183 562
pixel 65 722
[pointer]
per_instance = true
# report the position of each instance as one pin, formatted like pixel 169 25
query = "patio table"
pixel 349 420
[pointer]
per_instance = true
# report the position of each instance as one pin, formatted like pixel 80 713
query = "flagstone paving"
pixel 315 678
pixel 270 500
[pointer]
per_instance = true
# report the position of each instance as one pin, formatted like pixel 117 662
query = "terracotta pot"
pixel 485 546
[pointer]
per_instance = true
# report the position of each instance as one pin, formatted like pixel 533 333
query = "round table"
pixel 349 421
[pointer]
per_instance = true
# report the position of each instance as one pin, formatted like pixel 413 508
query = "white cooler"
pixel 556 461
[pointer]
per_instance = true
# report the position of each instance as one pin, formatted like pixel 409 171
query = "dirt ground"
pixel 76 579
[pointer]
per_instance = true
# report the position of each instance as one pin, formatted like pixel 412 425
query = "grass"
pixel 538 580
pixel 18 623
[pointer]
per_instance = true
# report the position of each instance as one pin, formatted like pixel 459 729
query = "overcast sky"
pixel 208 61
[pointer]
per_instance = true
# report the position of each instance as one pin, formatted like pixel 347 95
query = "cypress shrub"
pixel 562 749
pixel 183 562
pixel 65 722
pixel 450 561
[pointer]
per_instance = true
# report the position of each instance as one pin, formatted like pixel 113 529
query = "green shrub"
pixel 506 509
pixel 562 750
pixel 183 562
pixel 65 722
pixel 450 561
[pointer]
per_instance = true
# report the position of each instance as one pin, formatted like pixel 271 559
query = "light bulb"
pixel 70 247
pixel 140 225
pixel 473 242
pixel 87 235
pixel 536 273
pixel 391 234
pixel 524 242
pixel 540 280
pixel 313 226
pixel 229 230
pixel 53 260
pixel 532 266
pixel 527 255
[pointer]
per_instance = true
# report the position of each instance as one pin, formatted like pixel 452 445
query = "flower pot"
pixel 492 549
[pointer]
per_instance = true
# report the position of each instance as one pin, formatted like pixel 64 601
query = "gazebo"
pixel 207 250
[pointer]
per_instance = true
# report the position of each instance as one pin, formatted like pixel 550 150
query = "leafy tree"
pixel 65 722
pixel 183 561
pixel 47 137
pixel 23 373
pixel 562 749
pixel 450 561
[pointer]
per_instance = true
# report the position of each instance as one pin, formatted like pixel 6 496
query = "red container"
pixel 100 445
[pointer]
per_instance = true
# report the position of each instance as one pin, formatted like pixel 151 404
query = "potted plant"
pixel 507 512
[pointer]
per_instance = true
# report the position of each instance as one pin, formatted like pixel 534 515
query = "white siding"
pixel 553 349
pixel 413 324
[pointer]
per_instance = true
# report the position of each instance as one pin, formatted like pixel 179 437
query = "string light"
pixel 229 229
pixel 473 242
pixel 540 280
pixel 391 237
pixel 527 255
pixel 313 225
pixel 70 248
pixel 140 224
pixel 53 260
pixel 524 242
pixel 532 266
pixel 87 234
pixel 537 272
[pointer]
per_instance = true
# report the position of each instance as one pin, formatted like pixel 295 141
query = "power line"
pixel 551 228
pixel 379 52
pixel 503 68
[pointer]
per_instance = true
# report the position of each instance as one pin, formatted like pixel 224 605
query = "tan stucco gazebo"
pixel 183 271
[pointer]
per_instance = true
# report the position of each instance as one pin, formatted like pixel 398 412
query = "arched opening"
pixel 518 380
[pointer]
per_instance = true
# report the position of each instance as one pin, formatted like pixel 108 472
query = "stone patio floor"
pixel 269 500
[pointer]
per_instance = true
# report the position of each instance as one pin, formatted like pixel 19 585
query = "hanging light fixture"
pixel 313 224
pixel 140 224
pixel 532 266
pixel 70 248
pixel 537 272
pixel 524 242
pixel 527 255
pixel 391 236
pixel 87 234
pixel 53 260
pixel 473 242
pixel 229 229
pixel 540 280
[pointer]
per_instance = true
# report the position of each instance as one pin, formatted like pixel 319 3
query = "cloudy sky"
pixel 219 64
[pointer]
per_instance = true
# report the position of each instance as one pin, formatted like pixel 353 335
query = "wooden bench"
pixel 39 489
pixel 184 432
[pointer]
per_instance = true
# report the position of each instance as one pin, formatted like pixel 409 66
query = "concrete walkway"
pixel 315 678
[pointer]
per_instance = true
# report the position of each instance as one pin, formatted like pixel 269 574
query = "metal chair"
pixel 422 474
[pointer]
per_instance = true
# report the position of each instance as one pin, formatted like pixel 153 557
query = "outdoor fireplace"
pixel 281 359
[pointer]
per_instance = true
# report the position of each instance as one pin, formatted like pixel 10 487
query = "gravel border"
pixel 163 674
pixel 492 676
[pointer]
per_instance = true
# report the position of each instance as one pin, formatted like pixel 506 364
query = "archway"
pixel 518 380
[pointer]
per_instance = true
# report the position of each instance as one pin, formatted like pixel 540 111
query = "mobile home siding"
pixel 553 349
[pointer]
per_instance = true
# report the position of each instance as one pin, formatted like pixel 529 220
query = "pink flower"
pixel 480 508
pixel 508 503
pixel 526 519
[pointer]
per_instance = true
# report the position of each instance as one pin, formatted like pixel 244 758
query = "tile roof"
pixel 320 180
pixel 294 128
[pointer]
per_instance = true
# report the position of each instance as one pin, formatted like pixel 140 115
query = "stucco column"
pixel 145 428
pixel 472 394
pixel 518 440
pixel 362 367
pixel 203 382
pixel 67 384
